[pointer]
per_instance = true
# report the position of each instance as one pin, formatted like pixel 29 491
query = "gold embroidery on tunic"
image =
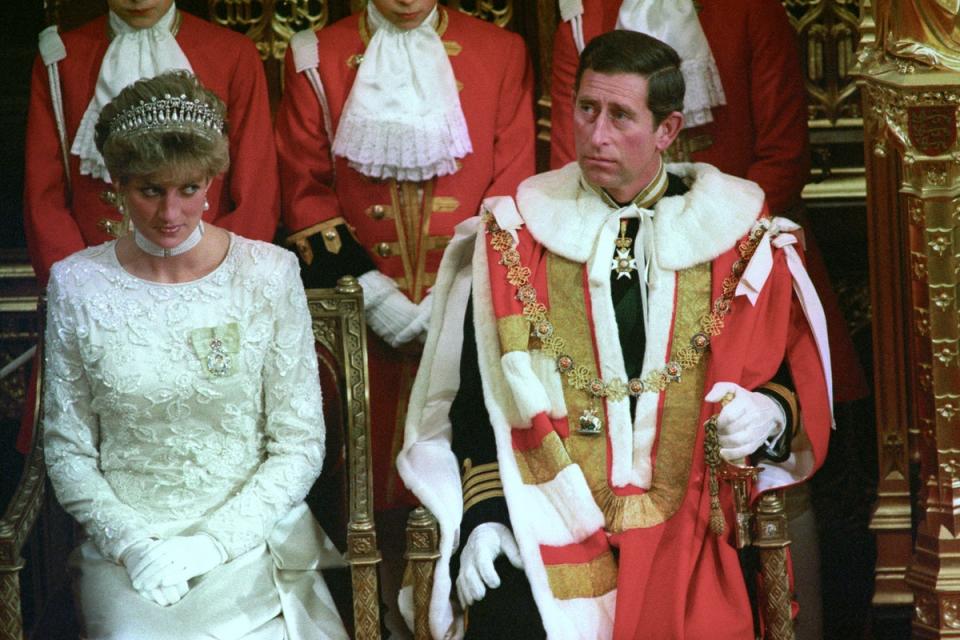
pixel 514 332
pixel 543 463
pixel 568 305
pixel 679 424
pixel 583 580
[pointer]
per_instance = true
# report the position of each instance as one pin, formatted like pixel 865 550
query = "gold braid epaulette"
pixel 578 376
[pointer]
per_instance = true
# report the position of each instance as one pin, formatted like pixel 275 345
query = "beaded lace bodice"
pixel 181 407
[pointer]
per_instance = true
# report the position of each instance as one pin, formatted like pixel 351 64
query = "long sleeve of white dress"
pixel 72 437
pixel 142 438
pixel 294 423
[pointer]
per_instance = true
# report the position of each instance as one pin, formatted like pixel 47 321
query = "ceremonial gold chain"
pixel 578 376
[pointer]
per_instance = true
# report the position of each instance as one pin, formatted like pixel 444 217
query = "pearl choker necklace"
pixel 154 249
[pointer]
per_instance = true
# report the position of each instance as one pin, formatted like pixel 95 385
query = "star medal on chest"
pixel 218 360
pixel 623 263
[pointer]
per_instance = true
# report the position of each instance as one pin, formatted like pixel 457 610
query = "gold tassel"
pixel 711 452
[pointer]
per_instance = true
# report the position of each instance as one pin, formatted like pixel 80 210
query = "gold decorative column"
pixel 913 163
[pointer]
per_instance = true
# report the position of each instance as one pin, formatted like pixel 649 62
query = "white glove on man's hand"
pixel 477 572
pixel 390 313
pixel 747 422
pixel 173 561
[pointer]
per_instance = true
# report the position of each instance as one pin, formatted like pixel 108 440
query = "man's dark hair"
pixel 634 52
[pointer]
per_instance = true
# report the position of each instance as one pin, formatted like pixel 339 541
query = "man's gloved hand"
pixel 390 313
pixel 167 563
pixel 747 421
pixel 477 572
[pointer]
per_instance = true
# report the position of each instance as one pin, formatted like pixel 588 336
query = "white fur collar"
pixel 689 229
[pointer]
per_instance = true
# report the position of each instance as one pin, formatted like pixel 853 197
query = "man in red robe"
pixel 758 131
pixel 67 209
pixel 395 123
pixel 603 316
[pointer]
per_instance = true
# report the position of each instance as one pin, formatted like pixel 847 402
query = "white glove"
pixel 166 596
pixel 477 572
pixel 390 313
pixel 170 562
pixel 133 557
pixel 747 422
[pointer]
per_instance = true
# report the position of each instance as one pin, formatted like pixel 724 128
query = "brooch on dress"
pixel 217 348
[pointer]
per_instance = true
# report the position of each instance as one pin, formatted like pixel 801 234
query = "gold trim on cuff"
pixel 514 333
pixel 583 580
pixel 791 399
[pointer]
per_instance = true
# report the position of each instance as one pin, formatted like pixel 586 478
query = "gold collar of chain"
pixel 578 376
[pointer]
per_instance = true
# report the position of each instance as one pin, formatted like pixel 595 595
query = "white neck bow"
pixel 133 54
pixel 675 22
pixel 403 118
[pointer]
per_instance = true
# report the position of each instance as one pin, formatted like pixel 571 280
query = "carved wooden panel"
pixel 828 31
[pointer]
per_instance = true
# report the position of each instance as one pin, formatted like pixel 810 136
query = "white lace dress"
pixel 184 408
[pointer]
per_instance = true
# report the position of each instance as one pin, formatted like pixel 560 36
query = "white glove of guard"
pixel 390 314
pixel 477 572
pixel 163 596
pixel 747 422
pixel 170 562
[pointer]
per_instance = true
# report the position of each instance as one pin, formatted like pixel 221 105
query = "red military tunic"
pixel 404 227
pixel 760 134
pixel 244 200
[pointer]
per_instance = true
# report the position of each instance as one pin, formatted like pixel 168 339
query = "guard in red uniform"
pixel 394 125
pixel 68 197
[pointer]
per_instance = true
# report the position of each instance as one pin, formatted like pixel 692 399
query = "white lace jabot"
pixel 675 22
pixel 403 118
pixel 133 54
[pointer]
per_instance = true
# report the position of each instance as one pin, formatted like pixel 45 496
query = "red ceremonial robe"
pixel 244 200
pixel 493 69
pixel 641 485
pixel 760 134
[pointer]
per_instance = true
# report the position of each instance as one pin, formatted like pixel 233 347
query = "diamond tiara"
pixel 169 114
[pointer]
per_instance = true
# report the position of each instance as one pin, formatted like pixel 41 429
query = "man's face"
pixel 140 14
pixel 405 14
pixel 618 145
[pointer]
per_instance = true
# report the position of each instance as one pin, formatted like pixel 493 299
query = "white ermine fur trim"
pixel 689 229
pixel 528 392
pixel 499 401
pixel 545 368
pixel 426 463
pixel 593 620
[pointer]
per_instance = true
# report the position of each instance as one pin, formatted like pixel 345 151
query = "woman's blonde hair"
pixel 166 123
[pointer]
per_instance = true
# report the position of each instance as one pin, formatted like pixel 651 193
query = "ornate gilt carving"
pixel 828 31
pixel 912 120
pixel 921 31
pixel 270 23
pixel 337 320
pixel 772 540
pixel 499 12
pixel 422 551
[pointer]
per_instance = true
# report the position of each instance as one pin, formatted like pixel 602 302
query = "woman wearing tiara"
pixel 182 424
